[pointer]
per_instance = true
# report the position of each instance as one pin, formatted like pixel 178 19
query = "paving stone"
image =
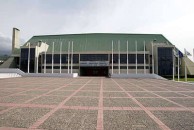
pixel 3 108
pixel 154 89
pixel 142 94
pixel 82 101
pixel 110 85
pixel 91 88
pixel 188 93
pixel 12 90
pixel 71 120
pixel 71 88
pixel 16 99
pixel 88 94
pixel 145 85
pixel 175 88
pixel 133 89
pixel 119 102
pixel 128 120
pixel 35 92
pixel 155 102
pixel 115 94
pixel 75 85
pixel 128 85
pixel 50 87
pixel 111 89
pixel 87 119
pixel 11 86
pixel 5 93
pixel 30 86
pixel 189 87
pixel 48 100
pixel 61 93
pixel 169 94
pixel 21 117
pixel 187 102
pixel 179 120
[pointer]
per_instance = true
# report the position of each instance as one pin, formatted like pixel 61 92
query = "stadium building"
pixel 98 54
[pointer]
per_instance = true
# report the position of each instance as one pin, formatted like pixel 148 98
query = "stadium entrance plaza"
pixel 95 103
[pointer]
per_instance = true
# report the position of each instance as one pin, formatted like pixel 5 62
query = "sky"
pixel 172 18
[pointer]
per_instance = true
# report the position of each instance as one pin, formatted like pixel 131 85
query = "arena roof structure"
pixel 98 41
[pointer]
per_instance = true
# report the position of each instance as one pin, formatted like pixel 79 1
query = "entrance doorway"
pixel 93 71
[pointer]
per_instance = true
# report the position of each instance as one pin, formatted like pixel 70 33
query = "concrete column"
pixel 15 39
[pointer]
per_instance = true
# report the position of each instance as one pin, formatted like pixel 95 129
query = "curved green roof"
pixel 98 42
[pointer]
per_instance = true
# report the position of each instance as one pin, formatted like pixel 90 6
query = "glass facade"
pixel 131 58
pixel 165 61
pixel 129 67
pixel 62 67
pixel 93 57
pixel 56 58
pixel 24 59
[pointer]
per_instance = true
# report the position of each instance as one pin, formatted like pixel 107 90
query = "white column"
pixel 152 58
pixel 29 57
pixel 37 54
pixel 173 64
pixel 185 65
pixel 45 59
pixel 53 56
pixel 72 57
pixel 178 68
pixel 185 72
pixel 144 59
pixel 119 56
pixel 37 60
pixel 60 56
pixel 127 58
pixel 68 56
pixel 136 57
pixel 112 56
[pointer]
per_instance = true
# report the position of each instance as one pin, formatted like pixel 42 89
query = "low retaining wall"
pixel 148 76
pixel 22 74
pixel 9 75
pixel 50 75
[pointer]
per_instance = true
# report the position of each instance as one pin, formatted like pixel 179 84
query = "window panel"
pixel 94 57
pixel 165 62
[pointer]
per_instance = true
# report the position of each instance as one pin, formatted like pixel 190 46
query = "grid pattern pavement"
pixel 95 103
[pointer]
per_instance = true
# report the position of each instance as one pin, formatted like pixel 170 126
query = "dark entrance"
pixel 94 71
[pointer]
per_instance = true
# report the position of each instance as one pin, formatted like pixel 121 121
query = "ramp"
pixel 9 63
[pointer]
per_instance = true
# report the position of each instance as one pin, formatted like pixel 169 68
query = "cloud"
pixel 5 43
pixel 172 18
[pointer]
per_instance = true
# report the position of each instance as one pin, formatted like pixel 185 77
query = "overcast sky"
pixel 172 18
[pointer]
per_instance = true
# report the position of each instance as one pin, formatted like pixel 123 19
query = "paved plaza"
pixel 95 103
